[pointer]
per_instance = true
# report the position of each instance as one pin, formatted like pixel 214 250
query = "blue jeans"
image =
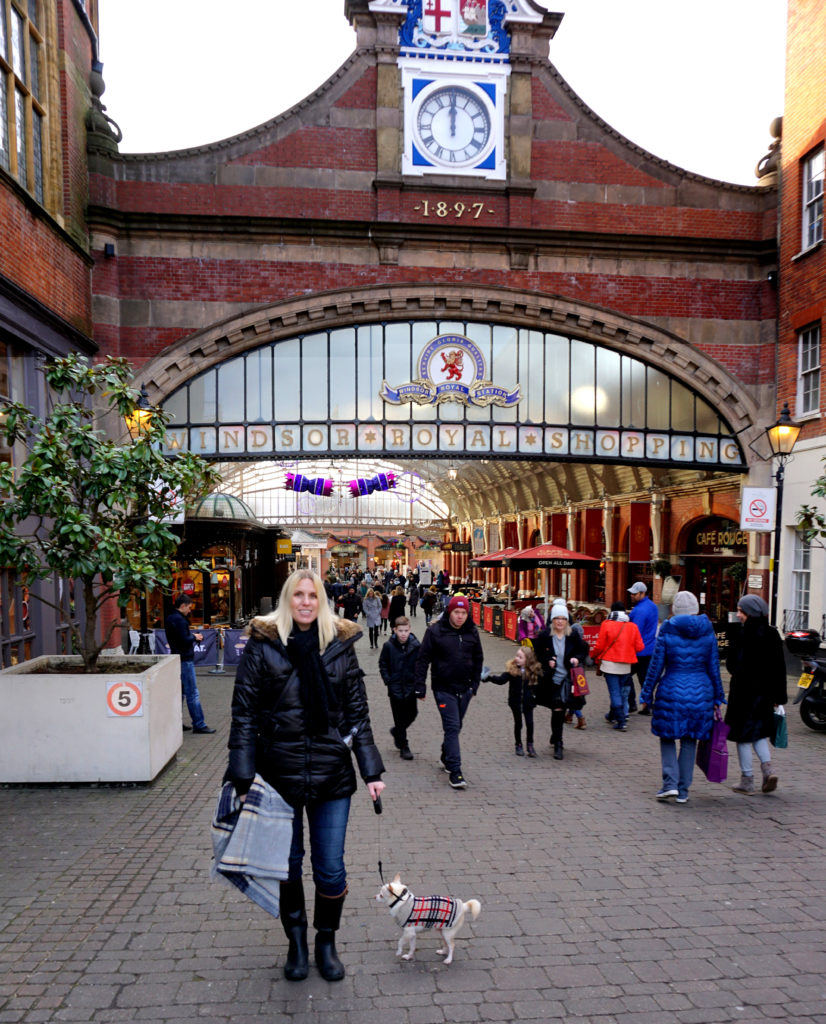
pixel 678 771
pixel 619 690
pixel 191 695
pixel 452 708
pixel 328 827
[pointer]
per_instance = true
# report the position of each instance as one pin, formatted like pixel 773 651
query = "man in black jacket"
pixel 181 641
pixel 397 665
pixel 452 649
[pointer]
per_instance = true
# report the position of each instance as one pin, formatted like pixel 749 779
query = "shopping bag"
pixel 712 754
pixel 781 731
pixel 579 682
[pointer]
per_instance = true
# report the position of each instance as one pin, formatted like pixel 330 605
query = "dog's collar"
pixel 402 896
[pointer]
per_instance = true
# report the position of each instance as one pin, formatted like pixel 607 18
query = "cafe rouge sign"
pixel 718 537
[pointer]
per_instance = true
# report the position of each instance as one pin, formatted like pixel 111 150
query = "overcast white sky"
pixel 695 83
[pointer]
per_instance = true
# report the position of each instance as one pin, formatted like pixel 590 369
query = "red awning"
pixel 495 560
pixel 548 556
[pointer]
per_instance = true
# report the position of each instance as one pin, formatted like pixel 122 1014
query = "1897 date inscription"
pixel 457 210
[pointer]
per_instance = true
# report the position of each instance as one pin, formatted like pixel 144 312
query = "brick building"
pixel 48 52
pixel 287 294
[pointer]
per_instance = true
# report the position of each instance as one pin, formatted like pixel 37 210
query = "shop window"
pixel 22 114
pixel 808 371
pixel 813 198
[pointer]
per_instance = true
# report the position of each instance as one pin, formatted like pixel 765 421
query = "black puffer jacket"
pixel 397 665
pixel 268 735
pixel 455 656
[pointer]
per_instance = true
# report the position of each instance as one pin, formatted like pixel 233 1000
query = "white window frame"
pixel 801 595
pixel 808 370
pixel 812 184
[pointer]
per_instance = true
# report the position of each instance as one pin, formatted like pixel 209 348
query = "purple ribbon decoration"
pixel 315 485
pixel 380 482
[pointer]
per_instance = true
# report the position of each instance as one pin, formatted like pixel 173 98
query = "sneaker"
pixel 204 730
pixel 406 753
pixel 531 750
pixel 682 799
pixel 518 750
pixel 457 780
pixel 621 728
pixel 665 794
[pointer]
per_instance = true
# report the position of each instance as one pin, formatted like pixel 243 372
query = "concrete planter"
pixel 122 724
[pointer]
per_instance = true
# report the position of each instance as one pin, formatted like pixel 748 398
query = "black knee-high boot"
pixel 294 920
pixel 326 921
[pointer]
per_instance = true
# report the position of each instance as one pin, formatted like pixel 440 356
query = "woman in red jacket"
pixel 616 649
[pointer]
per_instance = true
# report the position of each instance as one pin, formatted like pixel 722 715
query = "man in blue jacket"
pixel 181 641
pixel 645 617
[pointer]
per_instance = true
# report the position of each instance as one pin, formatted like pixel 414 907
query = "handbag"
pixel 781 731
pixel 579 682
pixel 712 754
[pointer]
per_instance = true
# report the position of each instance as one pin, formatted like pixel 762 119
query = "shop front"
pixel 715 567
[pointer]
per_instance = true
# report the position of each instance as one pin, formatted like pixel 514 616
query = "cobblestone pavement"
pixel 598 903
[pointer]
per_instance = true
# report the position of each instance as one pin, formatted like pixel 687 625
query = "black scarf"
pixel 317 696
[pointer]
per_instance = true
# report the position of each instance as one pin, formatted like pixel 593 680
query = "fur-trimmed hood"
pixel 264 627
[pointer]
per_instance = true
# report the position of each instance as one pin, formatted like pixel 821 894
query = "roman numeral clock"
pixel 454 64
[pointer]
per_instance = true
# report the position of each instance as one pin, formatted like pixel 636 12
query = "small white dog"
pixel 412 914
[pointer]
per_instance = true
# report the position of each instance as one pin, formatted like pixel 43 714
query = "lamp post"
pixel 782 438
pixel 138 423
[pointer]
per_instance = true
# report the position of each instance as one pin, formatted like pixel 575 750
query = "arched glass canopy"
pixel 425 389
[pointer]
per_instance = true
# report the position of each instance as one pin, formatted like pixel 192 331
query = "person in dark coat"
pixel 298 709
pixel 521 675
pixel 452 650
pixel 398 603
pixel 351 604
pixel 559 648
pixel 181 641
pixel 758 687
pixel 429 600
pixel 683 684
pixel 397 665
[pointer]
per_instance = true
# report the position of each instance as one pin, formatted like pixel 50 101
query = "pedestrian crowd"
pixel 300 711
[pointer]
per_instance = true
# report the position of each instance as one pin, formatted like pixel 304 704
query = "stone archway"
pixel 679 359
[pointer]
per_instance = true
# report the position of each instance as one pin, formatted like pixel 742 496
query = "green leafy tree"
pixel 811 520
pixel 89 504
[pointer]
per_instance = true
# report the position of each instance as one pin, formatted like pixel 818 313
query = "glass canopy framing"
pixel 440 388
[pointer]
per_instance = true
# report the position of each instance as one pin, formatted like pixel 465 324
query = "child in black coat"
pixel 397 663
pixel 521 674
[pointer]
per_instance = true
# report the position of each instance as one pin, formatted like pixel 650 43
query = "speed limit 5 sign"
pixel 124 699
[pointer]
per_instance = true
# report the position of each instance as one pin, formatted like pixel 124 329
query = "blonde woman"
pixel 299 695
pixel 371 609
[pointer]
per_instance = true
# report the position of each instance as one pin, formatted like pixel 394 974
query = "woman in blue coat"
pixel 683 684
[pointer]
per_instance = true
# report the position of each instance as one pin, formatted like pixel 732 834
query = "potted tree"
pixel 88 503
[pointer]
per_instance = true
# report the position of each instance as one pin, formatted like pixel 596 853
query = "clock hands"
pixel 452 113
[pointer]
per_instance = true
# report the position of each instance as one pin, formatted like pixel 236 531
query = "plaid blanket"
pixel 251 842
pixel 433 912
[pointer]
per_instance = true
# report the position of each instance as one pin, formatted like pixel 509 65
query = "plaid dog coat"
pixel 432 912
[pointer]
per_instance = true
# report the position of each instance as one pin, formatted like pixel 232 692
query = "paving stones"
pixel 599 903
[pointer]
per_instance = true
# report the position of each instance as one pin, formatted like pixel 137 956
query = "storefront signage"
pixel 283 546
pixel 718 537
pixel 456 547
pixel 457 438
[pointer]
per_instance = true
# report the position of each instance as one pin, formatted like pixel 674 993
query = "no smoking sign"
pixel 124 699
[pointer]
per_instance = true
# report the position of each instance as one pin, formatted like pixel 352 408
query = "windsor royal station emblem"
pixel 450 369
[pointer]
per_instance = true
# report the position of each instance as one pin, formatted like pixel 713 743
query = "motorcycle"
pixel 805 643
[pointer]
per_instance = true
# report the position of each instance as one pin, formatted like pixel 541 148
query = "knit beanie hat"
pixel 458 601
pixel 559 611
pixel 685 603
pixel 753 605
pixel 527 613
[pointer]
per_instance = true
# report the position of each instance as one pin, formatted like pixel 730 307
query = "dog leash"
pixel 378 809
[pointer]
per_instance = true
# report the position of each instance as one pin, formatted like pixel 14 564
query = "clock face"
pixel 453 125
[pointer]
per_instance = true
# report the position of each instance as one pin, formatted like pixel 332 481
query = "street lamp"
pixel 138 423
pixel 782 438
